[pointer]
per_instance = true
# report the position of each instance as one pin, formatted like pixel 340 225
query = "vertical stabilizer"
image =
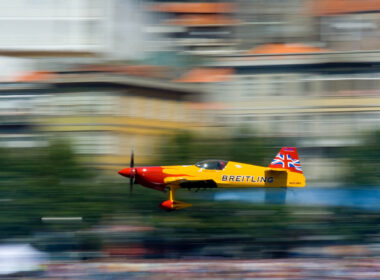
pixel 288 159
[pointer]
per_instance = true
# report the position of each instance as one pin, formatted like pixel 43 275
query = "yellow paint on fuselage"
pixel 236 175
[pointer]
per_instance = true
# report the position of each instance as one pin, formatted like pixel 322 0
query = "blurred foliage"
pixel 187 148
pixel 51 182
pixel 240 230
pixel 364 162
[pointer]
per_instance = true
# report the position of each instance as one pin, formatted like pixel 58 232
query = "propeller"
pixel 133 173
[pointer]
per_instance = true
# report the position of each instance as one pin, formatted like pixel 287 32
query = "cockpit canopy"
pixel 213 164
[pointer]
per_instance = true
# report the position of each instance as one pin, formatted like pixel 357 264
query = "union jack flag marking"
pixel 279 160
pixel 287 163
pixel 294 163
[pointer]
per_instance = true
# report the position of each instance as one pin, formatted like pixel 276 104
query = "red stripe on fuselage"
pixel 151 177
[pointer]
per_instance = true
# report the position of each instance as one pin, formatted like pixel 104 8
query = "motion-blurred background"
pixel 82 82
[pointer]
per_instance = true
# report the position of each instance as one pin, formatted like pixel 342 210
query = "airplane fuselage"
pixel 284 171
pixel 234 175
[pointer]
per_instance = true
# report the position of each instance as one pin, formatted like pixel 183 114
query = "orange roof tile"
pixel 206 106
pixel 196 20
pixel 35 76
pixel 284 49
pixel 331 7
pixel 193 8
pixel 206 75
pixel 100 68
pixel 146 71
pixel 133 70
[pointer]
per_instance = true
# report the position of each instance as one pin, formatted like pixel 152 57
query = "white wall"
pixel 52 25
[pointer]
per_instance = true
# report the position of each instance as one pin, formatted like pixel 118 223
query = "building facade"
pixel 320 102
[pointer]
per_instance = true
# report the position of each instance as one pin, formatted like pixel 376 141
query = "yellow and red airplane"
pixel 284 171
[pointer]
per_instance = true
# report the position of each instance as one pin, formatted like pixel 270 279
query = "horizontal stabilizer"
pixel 277 170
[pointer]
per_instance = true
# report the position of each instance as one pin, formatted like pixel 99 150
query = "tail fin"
pixel 287 158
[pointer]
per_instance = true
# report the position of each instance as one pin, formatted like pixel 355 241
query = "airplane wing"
pixel 189 184
pixel 198 184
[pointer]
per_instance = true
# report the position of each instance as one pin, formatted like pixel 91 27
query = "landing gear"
pixel 171 194
pixel 171 204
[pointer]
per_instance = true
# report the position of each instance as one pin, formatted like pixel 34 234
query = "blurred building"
pixel 72 29
pixel 302 98
pixel 306 70
pixel 52 26
pixel 281 21
pixel 347 24
pixel 106 113
pixel 43 42
pixel 196 28
pixel 217 27
pixel 321 99
pixel 17 130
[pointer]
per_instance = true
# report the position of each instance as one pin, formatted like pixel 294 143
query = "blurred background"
pixel 82 82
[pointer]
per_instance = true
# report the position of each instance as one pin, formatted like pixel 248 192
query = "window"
pixel 212 164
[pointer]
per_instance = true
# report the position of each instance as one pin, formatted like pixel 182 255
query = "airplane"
pixel 284 171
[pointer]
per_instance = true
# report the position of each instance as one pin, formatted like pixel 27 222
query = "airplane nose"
pixel 125 172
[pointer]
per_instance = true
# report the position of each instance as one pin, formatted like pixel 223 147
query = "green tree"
pixel 187 148
pixel 364 162
pixel 177 149
pixel 46 182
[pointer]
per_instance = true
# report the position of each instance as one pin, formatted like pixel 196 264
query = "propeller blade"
pixel 132 177
pixel 131 181
pixel 132 164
